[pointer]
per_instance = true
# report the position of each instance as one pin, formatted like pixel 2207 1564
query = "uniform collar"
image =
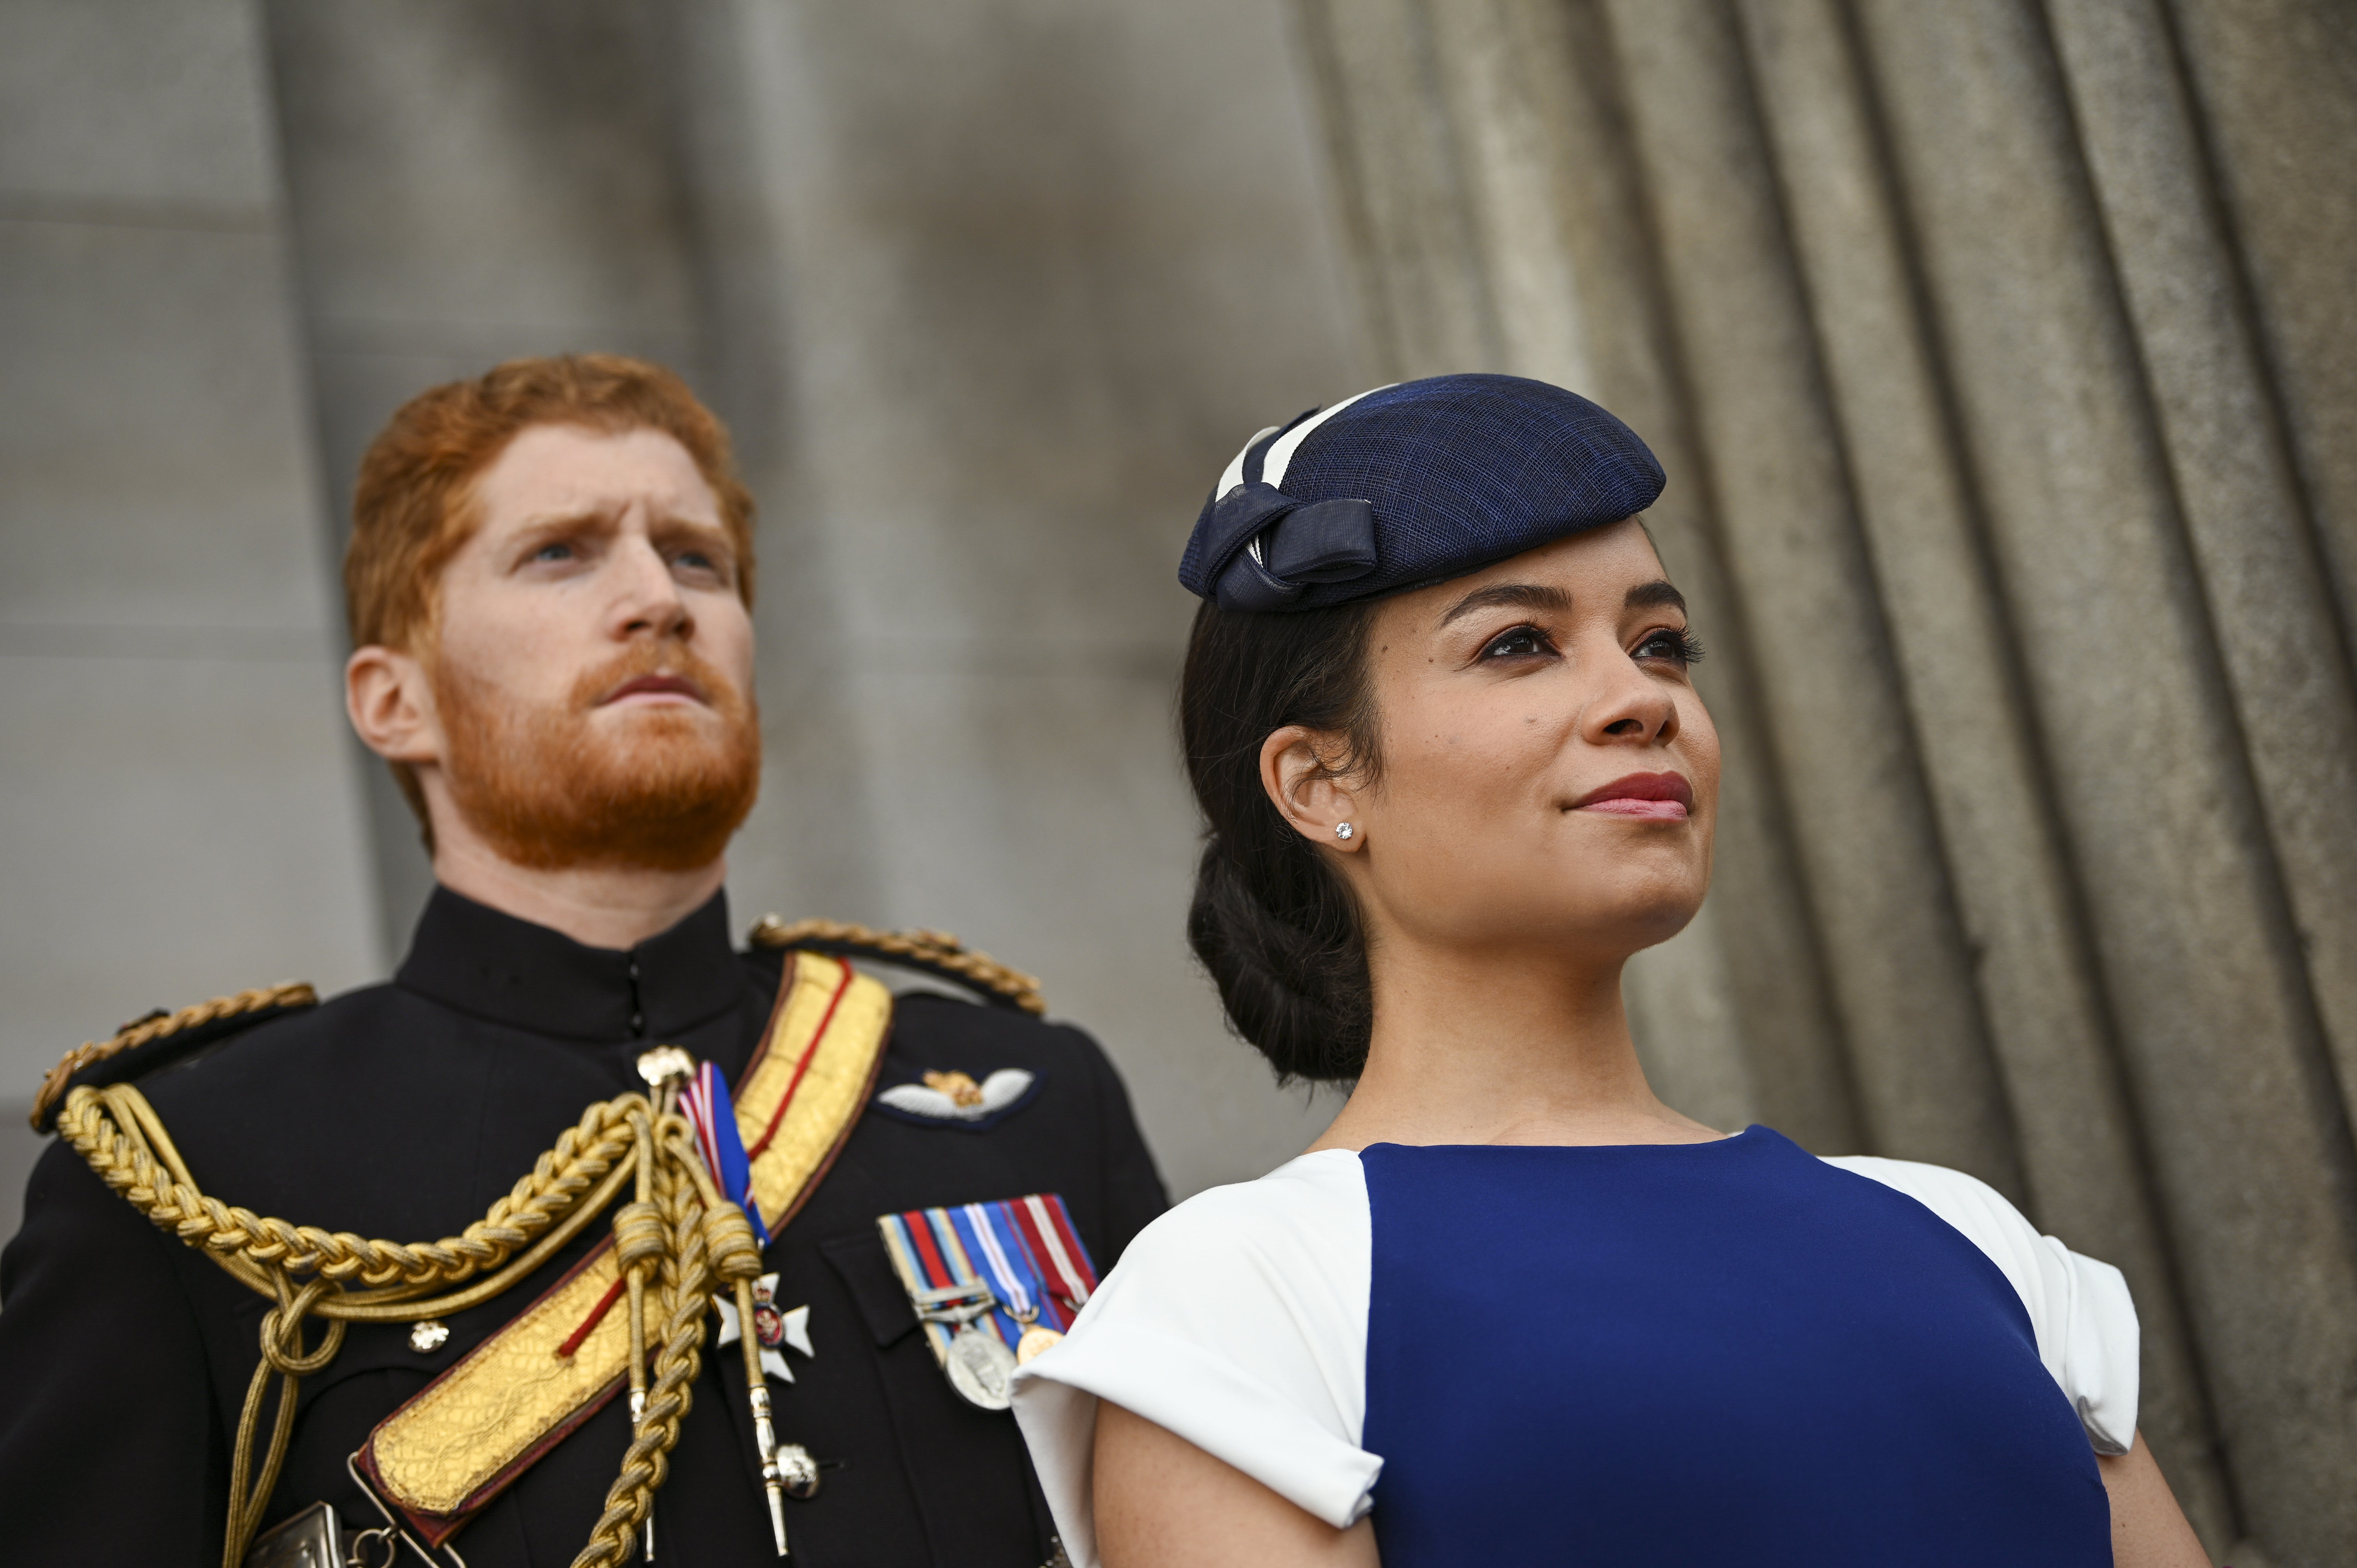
pixel 471 956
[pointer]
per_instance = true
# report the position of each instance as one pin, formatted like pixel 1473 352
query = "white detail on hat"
pixel 1280 455
pixel 1233 474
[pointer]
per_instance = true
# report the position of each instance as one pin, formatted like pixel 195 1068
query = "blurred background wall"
pixel 2001 352
pixel 988 290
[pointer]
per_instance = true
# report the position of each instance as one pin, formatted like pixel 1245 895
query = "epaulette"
pixel 934 953
pixel 145 1043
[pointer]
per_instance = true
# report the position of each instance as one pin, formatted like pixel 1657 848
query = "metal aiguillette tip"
pixel 776 1510
pixel 765 1449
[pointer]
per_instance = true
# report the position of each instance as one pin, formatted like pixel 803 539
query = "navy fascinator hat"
pixel 1409 484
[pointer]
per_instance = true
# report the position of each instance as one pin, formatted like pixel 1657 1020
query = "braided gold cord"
pixel 244 1241
pixel 131 1036
pixel 939 948
pixel 282 1354
pixel 670 1234
pixel 682 1294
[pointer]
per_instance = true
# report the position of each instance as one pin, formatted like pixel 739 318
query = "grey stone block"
pixel 141 111
pixel 171 830
pixel 153 431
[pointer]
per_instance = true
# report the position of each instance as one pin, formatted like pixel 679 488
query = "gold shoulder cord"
pixel 155 1026
pixel 676 1239
pixel 926 950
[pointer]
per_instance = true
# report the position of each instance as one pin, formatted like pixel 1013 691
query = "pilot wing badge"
pixel 955 1100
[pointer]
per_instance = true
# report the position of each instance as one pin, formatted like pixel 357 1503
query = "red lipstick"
pixel 1651 797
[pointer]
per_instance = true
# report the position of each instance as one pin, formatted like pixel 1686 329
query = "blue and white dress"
pixel 1655 1354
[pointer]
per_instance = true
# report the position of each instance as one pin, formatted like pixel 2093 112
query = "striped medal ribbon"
pixel 1045 1225
pixel 995 1285
pixel 713 1118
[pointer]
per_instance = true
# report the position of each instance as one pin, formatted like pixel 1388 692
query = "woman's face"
pixel 1549 776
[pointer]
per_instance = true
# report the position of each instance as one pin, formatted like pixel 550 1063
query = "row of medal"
pixel 993 1283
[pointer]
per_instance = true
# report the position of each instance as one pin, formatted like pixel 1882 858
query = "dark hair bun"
pixel 1299 993
pixel 1271 921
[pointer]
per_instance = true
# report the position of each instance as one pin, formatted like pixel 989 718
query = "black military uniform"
pixel 403 1110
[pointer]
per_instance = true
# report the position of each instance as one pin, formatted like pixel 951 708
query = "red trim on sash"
pixel 810 1054
pixel 597 1316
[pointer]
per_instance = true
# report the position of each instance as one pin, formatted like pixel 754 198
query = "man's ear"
pixel 392 705
pixel 1294 769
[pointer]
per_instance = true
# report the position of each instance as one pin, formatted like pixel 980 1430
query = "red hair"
pixel 412 507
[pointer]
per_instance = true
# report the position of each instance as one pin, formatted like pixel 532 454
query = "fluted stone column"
pixel 2000 354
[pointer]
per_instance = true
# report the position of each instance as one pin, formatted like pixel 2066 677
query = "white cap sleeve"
pixel 2079 1309
pixel 1238 1321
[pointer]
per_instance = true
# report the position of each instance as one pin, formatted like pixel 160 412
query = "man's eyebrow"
pixel 676 522
pixel 1659 591
pixel 557 519
pixel 1521 596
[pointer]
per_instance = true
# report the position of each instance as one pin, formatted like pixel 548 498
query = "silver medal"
pixel 981 1370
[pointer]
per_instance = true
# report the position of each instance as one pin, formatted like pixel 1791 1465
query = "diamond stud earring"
pixel 1344 831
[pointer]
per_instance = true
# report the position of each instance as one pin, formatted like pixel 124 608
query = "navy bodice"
pixel 1706 1354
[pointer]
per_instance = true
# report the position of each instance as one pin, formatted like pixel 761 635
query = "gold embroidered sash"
pixel 472 1431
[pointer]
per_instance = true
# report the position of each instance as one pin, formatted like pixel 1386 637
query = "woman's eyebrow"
pixel 1659 591
pixel 1521 596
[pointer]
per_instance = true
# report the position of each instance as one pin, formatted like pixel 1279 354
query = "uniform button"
pixel 634 969
pixel 637 1024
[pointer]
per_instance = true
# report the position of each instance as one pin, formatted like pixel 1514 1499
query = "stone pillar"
pixel 1999 353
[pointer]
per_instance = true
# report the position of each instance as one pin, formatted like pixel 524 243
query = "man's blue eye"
pixel 554 553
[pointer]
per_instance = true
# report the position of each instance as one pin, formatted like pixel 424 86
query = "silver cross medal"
pixel 773 1329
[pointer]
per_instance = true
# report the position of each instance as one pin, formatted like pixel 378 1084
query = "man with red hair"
pixel 518 1244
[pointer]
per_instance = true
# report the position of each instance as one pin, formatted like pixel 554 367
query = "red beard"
pixel 657 789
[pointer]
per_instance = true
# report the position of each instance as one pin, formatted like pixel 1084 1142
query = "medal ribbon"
pixel 1024 1250
pixel 1046 1226
pixel 991 1238
pixel 928 1255
pixel 704 1101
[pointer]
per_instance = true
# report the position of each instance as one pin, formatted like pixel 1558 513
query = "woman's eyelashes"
pixel 1672 644
pixel 1518 643
pixel 1669 644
